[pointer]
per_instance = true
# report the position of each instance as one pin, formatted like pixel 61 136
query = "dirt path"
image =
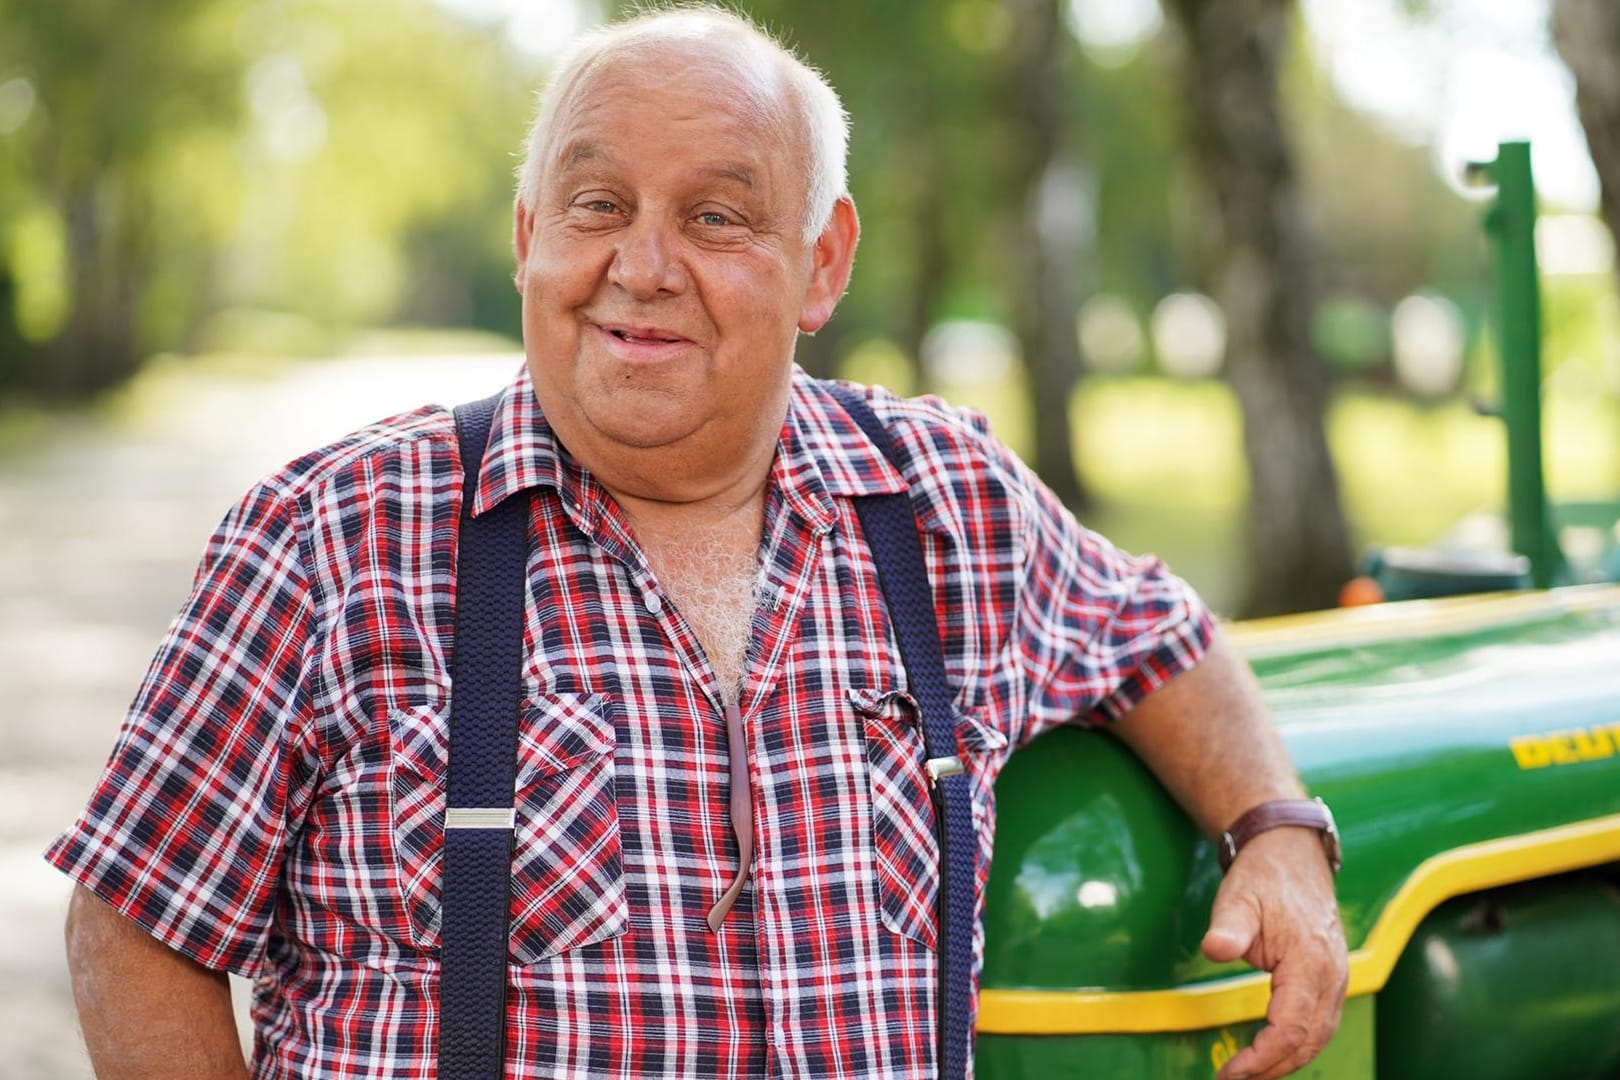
pixel 100 529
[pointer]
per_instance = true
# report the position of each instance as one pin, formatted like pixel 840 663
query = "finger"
pixel 1275 1052
pixel 1234 923
pixel 1296 1029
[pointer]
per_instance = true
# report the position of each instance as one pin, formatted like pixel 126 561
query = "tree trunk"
pixel 96 349
pixel 1048 279
pixel 1261 273
pixel 1587 33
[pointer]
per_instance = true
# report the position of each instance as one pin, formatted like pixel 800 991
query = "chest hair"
pixel 713 580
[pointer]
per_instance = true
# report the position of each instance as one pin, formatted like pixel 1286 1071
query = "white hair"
pixel 824 123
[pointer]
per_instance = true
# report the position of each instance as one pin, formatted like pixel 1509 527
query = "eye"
pixel 600 206
pixel 713 218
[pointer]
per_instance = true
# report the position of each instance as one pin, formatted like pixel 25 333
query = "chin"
pixel 641 420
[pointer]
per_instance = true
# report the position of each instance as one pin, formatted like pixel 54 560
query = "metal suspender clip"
pixel 943 766
pixel 471 817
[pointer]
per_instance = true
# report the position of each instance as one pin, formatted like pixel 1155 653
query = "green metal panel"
pixel 1091 872
pixel 1181 1055
pixel 1099 881
pixel 1515 983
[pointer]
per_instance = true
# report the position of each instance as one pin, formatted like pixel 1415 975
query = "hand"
pixel 1276 910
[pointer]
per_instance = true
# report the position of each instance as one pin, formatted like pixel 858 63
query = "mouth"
pixel 644 335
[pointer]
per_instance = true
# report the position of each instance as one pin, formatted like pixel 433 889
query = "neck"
pixel 739 512
pixel 708 479
pixel 664 492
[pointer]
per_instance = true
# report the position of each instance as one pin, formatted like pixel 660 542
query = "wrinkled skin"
pixel 665 275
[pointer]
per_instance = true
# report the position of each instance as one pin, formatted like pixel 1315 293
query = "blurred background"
pixel 1210 265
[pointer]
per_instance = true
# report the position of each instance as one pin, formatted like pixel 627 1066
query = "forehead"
pixel 677 106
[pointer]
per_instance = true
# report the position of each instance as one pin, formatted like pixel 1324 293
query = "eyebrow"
pixel 740 173
pixel 578 153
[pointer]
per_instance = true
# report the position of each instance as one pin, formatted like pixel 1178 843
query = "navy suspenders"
pixel 479 815
pixel 890 526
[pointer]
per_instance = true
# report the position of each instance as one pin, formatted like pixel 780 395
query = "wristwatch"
pixel 1305 813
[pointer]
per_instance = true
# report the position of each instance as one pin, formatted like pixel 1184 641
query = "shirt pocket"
pixel 904 844
pixel 568 885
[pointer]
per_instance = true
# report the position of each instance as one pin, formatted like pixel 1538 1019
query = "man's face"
pixel 663 268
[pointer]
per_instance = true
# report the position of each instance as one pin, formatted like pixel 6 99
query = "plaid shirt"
pixel 274 803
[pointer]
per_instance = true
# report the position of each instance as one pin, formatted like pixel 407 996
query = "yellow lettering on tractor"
pixel 1530 752
pixel 1563 749
pixel 1224 1049
pixel 1566 747
pixel 1594 744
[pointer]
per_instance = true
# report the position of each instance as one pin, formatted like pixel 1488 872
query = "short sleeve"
pixel 1096 629
pixel 185 829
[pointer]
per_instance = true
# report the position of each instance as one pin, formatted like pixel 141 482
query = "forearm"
pixel 146 1011
pixel 1207 737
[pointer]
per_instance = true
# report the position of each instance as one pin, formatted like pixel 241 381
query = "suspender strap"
pixel 485 679
pixel 890 526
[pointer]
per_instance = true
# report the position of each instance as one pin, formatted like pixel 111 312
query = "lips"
pixel 643 344
pixel 644 335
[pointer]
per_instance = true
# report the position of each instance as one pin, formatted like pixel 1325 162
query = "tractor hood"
pixel 1462 744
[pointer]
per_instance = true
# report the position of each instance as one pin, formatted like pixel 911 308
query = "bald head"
pixel 743 62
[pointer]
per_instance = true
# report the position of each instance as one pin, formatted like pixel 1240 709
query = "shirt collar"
pixel 822 453
pixel 522 452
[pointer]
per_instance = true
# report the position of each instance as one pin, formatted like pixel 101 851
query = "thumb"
pixel 1234 923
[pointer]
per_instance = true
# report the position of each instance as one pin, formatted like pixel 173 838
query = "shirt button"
pixel 653 602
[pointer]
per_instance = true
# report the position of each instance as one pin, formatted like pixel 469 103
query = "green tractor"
pixel 1470 749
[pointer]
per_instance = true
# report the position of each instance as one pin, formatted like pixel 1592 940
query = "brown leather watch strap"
pixel 1304 813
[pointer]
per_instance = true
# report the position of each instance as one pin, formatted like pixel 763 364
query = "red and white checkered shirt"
pixel 274 805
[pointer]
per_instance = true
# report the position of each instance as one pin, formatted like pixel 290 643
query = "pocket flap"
pixel 872 702
pixel 973 735
pixel 418 737
pixel 560 731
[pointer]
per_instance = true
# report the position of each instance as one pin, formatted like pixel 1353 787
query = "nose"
pixel 647 261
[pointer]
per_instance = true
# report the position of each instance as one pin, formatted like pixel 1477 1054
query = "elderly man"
pixel 703 630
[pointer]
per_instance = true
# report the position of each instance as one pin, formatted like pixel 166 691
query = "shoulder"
pixel 380 479
pixel 424 438
pixel 944 452
pixel 905 417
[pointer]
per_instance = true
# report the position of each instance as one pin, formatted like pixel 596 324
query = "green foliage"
pixel 100 184
pixel 1385 225
pixel 1351 334
pixel 1128 127
pixel 378 164
pixel 349 162
pixel 343 161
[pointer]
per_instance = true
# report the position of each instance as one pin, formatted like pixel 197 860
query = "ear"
pixel 522 236
pixel 832 259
